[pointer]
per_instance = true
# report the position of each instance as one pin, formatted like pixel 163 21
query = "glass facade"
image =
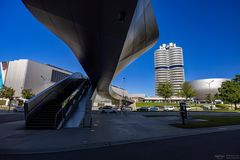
pixel 58 76
pixel 1 79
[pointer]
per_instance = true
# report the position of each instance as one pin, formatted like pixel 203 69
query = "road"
pixel 221 145
pixel 10 117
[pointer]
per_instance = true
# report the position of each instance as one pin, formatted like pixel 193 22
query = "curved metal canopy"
pixel 104 35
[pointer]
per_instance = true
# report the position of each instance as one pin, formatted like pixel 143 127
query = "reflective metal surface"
pixel 104 35
pixel 203 87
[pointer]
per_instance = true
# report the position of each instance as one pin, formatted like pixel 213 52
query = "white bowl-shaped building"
pixel 203 87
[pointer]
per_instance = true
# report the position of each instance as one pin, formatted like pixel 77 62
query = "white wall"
pixel 15 75
pixel 27 74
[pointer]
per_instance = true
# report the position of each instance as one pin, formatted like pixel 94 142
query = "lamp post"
pixel 210 94
pixel 122 98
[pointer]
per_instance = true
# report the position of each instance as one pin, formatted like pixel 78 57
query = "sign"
pixel 183 111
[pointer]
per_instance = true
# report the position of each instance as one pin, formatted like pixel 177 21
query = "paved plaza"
pixel 107 130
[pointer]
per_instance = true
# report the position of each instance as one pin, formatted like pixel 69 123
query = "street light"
pixel 210 94
pixel 121 99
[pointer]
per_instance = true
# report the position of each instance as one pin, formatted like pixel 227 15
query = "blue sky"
pixel 208 31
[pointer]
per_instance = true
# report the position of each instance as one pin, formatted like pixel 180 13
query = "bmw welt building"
pixel 27 74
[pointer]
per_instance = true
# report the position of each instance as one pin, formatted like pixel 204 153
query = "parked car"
pixel 128 108
pixel 169 108
pixel 154 109
pixel 188 108
pixel 208 106
pixel 18 109
pixel 108 109
pixel 143 109
pixel 117 108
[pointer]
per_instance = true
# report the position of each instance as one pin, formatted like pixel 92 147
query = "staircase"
pixel 50 113
pixel 45 119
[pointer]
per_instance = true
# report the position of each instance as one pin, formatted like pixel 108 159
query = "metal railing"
pixel 35 104
pixel 70 104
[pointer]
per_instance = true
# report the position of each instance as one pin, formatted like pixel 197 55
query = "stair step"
pixel 41 127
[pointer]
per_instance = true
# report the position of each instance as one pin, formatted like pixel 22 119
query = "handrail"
pixel 48 89
pixel 42 98
pixel 68 102
pixel 35 103
pixel 65 108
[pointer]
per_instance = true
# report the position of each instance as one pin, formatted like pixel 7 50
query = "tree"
pixel 209 97
pixel 27 93
pixel 1 95
pixel 115 102
pixel 165 90
pixel 179 93
pixel 7 92
pixel 230 92
pixel 217 96
pixel 187 90
pixel 237 78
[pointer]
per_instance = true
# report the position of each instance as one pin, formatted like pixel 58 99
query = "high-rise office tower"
pixel 168 62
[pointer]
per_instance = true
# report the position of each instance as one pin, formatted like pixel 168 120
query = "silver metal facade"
pixel 105 35
pixel 203 87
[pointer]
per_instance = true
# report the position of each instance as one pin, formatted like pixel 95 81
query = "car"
pixel 208 106
pixel 18 109
pixel 143 109
pixel 188 108
pixel 116 108
pixel 154 109
pixel 169 108
pixel 108 109
pixel 128 108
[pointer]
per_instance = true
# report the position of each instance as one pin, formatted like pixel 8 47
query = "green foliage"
pixel 27 93
pixel 230 92
pixel 155 104
pixel 115 102
pixel 211 121
pixel 165 90
pixel 20 103
pixel 210 97
pixel 237 78
pixel 179 93
pixel 217 96
pixel 7 92
pixel 223 106
pixel 2 102
pixel 187 90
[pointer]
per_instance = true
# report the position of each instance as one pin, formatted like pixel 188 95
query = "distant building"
pixel 137 97
pixel 174 99
pixel 204 87
pixel 101 101
pixel 27 74
pixel 168 62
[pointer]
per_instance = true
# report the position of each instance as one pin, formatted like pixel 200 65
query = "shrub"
pixel 222 106
pixel 2 102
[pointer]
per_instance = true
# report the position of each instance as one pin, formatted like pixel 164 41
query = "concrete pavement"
pixel 107 130
pixel 213 146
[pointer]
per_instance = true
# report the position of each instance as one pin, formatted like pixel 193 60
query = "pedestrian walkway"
pixel 108 129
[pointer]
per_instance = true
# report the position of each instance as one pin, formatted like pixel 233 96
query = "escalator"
pixel 52 107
